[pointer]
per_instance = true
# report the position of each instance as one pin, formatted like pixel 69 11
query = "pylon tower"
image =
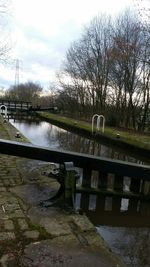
pixel 143 10
pixel 17 72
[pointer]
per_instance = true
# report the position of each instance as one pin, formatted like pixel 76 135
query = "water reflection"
pixel 46 134
pixel 133 244
pixel 114 211
pixel 123 223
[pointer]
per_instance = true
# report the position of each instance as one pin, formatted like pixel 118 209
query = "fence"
pixel 16 105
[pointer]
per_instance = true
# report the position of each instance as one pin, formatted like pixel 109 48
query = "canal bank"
pixel 137 143
pixel 31 235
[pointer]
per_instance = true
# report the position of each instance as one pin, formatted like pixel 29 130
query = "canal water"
pixel 127 231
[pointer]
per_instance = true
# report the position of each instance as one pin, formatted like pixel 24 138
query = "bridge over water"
pixel 17 105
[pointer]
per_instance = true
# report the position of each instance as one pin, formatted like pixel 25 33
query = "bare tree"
pixel 145 79
pixel 87 62
pixel 4 42
pixel 125 68
pixel 108 71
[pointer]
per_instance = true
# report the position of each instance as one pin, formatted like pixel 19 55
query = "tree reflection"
pixel 53 136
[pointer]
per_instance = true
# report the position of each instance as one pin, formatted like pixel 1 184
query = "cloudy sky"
pixel 42 31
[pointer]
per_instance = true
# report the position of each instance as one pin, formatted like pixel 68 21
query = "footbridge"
pixel 20 106
pixel 14 105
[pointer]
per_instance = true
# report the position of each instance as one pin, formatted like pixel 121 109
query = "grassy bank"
pixel 8 131
pixel 127 139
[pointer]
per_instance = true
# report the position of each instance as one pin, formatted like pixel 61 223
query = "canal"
pixel 127 229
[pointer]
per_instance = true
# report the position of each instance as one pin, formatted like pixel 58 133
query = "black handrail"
pixel 80 160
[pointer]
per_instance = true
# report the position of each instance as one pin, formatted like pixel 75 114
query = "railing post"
pixel 86 180
pixel 100 203
pixel 133 206
pixel 118 183
pixel 3 111
pixel 135 185
pixel 86 183
pixel 145 187
pixel 69 184
pixel 116 204
pixel 103 180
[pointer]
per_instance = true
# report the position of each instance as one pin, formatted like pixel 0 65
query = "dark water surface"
pixel 126 229
pixel 48 135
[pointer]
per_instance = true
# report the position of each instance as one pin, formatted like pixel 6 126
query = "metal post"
pixel 98 121
pixel 3 110
pixel 93 118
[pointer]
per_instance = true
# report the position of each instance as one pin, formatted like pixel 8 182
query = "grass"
pixel 135 139
pixel 8 131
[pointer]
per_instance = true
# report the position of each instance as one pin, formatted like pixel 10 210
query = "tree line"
pixel 29 91
pixel 107 71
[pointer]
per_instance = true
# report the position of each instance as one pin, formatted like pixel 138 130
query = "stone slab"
pixel 6 236
pixel 31 234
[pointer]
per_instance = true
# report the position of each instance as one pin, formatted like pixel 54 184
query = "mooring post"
pixel 70 184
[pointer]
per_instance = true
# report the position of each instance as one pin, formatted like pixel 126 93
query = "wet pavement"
pixel 33 236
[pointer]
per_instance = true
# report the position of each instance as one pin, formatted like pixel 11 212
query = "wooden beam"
pixel 111 193
pixel 80 160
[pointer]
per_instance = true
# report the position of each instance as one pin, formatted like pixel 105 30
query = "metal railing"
pixel 14 105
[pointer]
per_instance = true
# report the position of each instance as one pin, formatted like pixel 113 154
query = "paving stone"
pixel 6 200
pixel 23 224
pixel 3 173
pixel 5 259
pixel 9 206
pixel 8 225
pixel 9 177
pixel 6 182
pixel 17 214
pixel 13 172
pixel 18 181
pixel 44 254
pixel 11 181
pixel 12 207
pixel 2 189
pixel 55 227
pixel 82 222
pixel 3 215
pixel 6 236
pixel 32 234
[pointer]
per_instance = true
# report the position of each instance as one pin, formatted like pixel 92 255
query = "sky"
pixel 41 32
